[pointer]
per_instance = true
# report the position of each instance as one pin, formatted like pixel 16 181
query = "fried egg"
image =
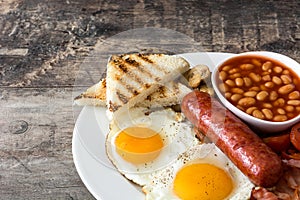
pixel 141 142
pixel 202 172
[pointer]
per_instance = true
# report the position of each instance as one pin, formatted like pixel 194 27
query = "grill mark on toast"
pixel 122 97
pixel 113 107
pixel 141 68
pixel 137 64
pixel 128 87
pixel 123 66
pixel 147 85
pixel 132 62
pixel 160 91
pixel 132 75
pixel 79 97
pixel 89 96
pixel 135 78
pixel 147 59
pixel 119 66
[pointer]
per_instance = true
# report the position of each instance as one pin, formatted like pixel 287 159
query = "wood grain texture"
pixel 51 50
pixel 35 152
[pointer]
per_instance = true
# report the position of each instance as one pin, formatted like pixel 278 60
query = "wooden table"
pixel 47 55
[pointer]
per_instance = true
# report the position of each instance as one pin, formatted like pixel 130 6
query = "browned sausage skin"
pixel 243 147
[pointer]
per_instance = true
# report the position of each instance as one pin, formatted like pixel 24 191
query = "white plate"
pixel 88 145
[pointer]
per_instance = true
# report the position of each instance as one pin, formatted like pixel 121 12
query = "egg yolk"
pixel 138 144
pixel 202 181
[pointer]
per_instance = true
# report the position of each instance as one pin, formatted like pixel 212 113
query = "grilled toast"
pixel 133 77
pixel 168 95
pixel 93 96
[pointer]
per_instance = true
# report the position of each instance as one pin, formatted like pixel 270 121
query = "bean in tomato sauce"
pixel 261 87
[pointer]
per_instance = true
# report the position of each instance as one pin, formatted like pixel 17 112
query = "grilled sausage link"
pixel 243 147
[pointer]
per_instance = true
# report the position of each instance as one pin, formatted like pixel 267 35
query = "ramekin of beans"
pixel 262 88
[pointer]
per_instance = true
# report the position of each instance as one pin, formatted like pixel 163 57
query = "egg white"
pixel 177 138
pixel 161 185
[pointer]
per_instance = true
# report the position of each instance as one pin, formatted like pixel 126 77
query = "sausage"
pixel 242 146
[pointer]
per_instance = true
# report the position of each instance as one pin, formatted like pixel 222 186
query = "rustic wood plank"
pixel 54 33
pixel 35 145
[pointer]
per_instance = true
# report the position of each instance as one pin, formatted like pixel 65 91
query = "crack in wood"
pixel 21 163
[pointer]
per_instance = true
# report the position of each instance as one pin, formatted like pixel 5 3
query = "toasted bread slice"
pixel 93 96
pixel 132 77
pixel 168 95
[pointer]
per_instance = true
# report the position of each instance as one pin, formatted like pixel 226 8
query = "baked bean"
pixel 255 77
pixel 258 114
pixel 256 62
pixel 250 94
pixel 250 110
pixel 279 102
pixel 286 89
pixel 269 84
pixel 261 87
pixel 240 107
pixel 222 75
pixel 262 95
pixel 268 113
pixel 281 111
pixel 237 90
pixel 273 95
pixel 255 88
pixel 230 82
pixel 227 68
pixel 280 118
pixel 277 69
pixel 246 101
pixel 266 66
pixel 239 82
pixel 267 105
pixel 293 102
pixel 228 95
pixel 247 66
pixel 247 81
pixel 235 75
pixel 285 71
pixel 276 80
pixel 266 77
pixel 223 87
pixel 236 97
pixel 266 73
pixel 289 108
pixel 233 71
pixel 286 79
pixel 294 95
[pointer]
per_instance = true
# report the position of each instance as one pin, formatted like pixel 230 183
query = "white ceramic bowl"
pixel 260 126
